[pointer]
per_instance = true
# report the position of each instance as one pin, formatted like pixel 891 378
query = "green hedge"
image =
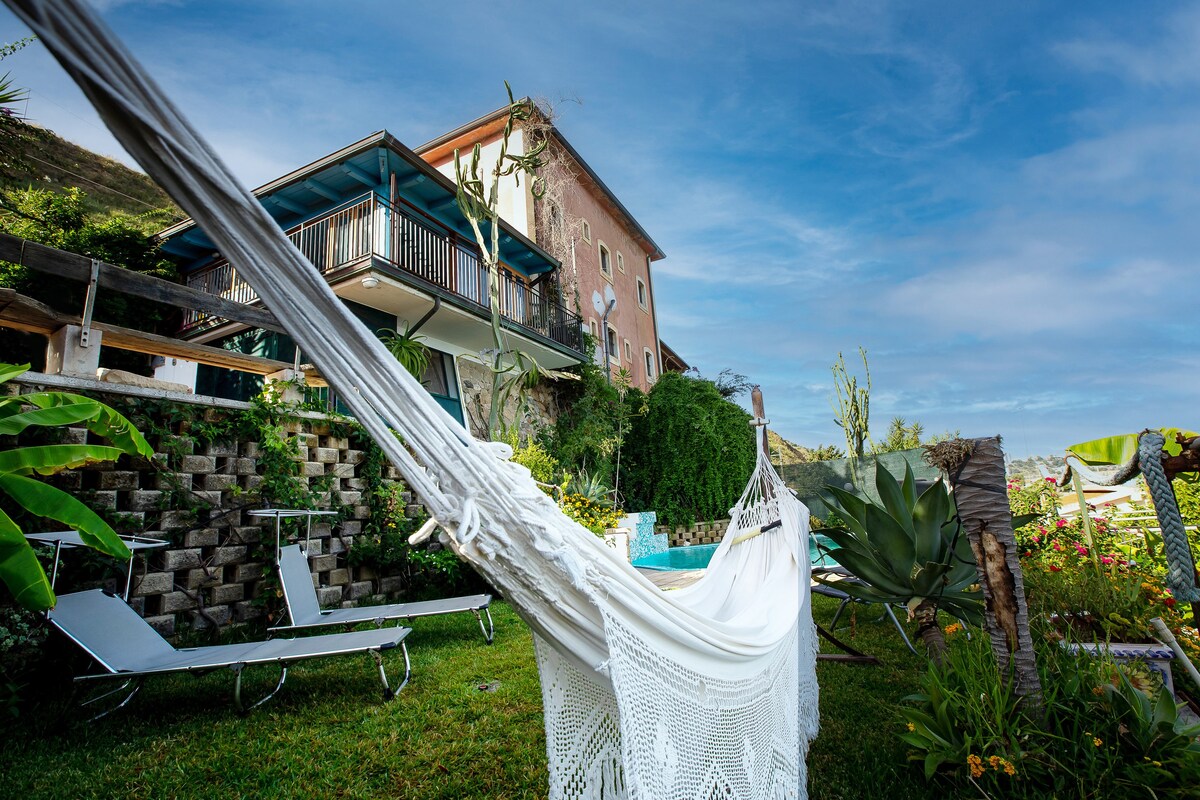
pixel 689 457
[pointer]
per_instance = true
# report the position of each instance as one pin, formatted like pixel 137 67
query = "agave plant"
pixel 19 567
pixel 909 550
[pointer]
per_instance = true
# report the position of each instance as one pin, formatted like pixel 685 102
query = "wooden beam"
pixel 24 313
pixel 412 181
pixel 315 186
pixel 75 267
pixel 288 205
pixel 359 174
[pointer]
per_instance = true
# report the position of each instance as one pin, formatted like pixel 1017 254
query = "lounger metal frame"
pixel 304 610
pixel 283 652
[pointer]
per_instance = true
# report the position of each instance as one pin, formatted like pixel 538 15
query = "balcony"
pixel 371 233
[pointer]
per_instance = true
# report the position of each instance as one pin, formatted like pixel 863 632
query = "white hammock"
pixel 705 692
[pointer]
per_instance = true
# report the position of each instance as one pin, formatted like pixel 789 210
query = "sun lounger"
pixel 126 646
pixel 304 611
pixel 846 599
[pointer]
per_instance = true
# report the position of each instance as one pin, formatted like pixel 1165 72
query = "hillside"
pixel 785 452
pixel 44 160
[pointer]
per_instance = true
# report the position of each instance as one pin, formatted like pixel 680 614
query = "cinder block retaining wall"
pixel 209 575
pixel 700 533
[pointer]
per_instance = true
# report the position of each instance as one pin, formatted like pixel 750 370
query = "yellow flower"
pixel 994 761
pixel 950 630
pixel 1009 769
pixel 1097 741
pixel 976 765
pixel 911 727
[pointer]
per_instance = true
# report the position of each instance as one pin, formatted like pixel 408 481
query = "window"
pixel 613 352
pixel 592 327
pixel 586 230
pixel 649 365
pixel 605 261
pixel 620 262
pixel 628 351
pixel 643 297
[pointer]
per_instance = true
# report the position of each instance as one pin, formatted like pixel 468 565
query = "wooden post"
pixel 760 418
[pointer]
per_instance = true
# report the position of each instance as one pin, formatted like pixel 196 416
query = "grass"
pixel 329 734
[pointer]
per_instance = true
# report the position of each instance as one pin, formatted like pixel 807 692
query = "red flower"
pixel 1052 481
pixel 1169 602
pixel 1055 569
pixel 1062 523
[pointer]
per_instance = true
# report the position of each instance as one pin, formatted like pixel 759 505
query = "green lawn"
pixel 328 733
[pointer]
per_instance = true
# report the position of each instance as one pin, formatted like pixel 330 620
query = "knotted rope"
pixel 1181 568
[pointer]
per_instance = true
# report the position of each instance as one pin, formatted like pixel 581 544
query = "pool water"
pixel 697 556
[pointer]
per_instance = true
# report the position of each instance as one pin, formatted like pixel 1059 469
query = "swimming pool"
pixel 697 556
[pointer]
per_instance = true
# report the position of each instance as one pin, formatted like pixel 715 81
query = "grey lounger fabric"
pixel 304 611
pixel 125 645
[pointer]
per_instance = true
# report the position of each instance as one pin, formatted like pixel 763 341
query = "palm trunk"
pixel 979 489
pixel 930 631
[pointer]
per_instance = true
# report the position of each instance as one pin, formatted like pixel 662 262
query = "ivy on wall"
pixel 689 457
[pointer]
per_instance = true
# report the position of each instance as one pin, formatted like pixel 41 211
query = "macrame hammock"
pixel 705 692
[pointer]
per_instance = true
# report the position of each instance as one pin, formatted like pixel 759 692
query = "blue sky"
pixel 1000 203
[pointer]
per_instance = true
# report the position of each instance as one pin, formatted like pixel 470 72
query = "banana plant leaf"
pixel 14 423
pixel 44 500
pixel 1120 449
pixel 49 459
pixel 106 422
pixel 20 570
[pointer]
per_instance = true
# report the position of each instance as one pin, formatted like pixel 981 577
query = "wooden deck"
pixel 672 579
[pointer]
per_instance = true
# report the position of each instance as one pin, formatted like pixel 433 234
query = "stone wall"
pixel 476 379
pixel 219 554
pixel 700 533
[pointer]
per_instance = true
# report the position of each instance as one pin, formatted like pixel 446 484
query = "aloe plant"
pixel 19 567
pixel 906 549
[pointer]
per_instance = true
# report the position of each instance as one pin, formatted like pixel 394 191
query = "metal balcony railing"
pixel 370 229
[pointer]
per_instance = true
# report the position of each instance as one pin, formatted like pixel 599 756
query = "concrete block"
pixel 145 500
pixel 119 480
pixel 245 573
pixel 246 610
pixel 391 585
pixel 335 442
pixel 250 483
pixel 228 555
pixel 228 593
pixel 336 546
pixel 164 624
pixel 174 602
pixel 329 596
pixel 338 577
pixel 212 498
pixel 308 440
pixel 169 481
pixel 221 449
pixel 154 583
pixel 138 604
pixel 205 537
pixel 218 615
pixel 248 535
pixel 312 469
pixel 175 560
pixel 349 498
pixel 365 573
pixel 104 499
pixel 359 590
pixel 355 484
pixel 65 355
pixel 325 455
pixel 74 436
pixel 344 471
pixel 351 527
pixel 245 466
pixel 353 456
pixel 323 563
pixel 361 512
pixel 218 483
pixel 183 445
pixel 171 520
pixel 69 480
pixel 250 449
pixel 200 465
pixel 200 577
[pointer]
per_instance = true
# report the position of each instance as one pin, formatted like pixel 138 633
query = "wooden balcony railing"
pixel 369 229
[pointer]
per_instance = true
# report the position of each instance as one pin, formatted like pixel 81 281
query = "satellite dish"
pixel 598 302
pixel 610 297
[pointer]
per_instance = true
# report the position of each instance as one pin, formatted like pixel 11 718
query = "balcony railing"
pixel 371 230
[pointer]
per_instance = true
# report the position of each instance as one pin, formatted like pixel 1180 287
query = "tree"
pixel 900 436
pixel 976 467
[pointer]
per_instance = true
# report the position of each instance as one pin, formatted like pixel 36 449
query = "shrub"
pixel 689 457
